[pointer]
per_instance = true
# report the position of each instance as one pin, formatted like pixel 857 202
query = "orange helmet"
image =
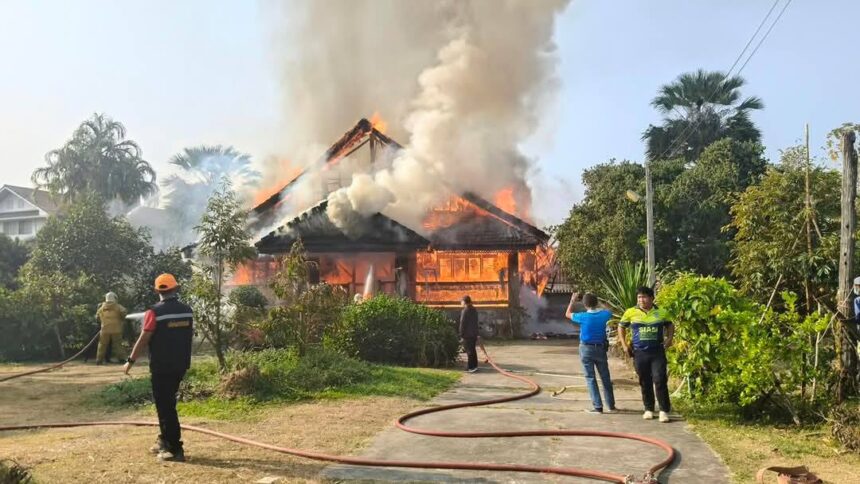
pixel 165 282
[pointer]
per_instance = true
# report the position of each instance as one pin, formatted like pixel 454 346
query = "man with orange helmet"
pixel 168 327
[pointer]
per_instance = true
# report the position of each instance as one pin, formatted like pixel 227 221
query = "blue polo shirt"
pixel 593 325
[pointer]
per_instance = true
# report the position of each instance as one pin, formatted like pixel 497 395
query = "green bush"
pixel 13 473
pixel 731 350
pixel 134 391
pixel 394 330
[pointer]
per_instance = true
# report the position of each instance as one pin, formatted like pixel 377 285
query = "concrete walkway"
pixel 552 364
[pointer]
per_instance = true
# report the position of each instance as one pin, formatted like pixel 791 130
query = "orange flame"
pixel 378 123
pixel 286 173
pixel 504 199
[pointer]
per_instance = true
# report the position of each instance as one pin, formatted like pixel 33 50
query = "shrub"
pixel 732 350
pixel 135 391
pixel 845 426
pixel 304 319
pixel 13 473
pixel 394 330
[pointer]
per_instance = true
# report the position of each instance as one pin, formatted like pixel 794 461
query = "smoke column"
pixel 463 83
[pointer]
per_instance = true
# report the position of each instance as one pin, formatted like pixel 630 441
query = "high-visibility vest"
pixel 170 346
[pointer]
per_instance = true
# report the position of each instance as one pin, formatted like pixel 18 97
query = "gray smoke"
pixel 462 83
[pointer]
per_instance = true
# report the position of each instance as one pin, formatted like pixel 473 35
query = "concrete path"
pixel 552 364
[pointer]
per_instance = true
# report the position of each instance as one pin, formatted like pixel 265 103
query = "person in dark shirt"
pixel 469 333
pixel 593 348
pixel 168 328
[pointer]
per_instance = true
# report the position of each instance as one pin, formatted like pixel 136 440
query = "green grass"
pixel 394 381
pixel 281 376
pixel 746 446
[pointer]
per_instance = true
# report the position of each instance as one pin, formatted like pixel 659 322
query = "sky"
pixel 180 74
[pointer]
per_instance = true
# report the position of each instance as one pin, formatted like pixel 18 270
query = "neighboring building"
pixel 24 211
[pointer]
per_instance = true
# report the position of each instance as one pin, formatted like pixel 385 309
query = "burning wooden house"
pixel 467 245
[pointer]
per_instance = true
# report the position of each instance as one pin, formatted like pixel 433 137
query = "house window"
pixel 25 227
pixel 10 228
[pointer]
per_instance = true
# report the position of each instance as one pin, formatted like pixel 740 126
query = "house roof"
pixel 352 140
pixel 40 198
pixel 493 228
pixel 319 234
pixel 476 231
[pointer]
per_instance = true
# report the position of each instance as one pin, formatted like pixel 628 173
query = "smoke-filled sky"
pixel 186 73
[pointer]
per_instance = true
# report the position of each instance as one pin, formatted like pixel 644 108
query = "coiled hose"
pixel 648 477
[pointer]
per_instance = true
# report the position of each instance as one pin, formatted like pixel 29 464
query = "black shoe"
pixel 174 456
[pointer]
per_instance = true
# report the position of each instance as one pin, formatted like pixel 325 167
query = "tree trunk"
pixel 847 357
pixel 219 328
pixel 59 341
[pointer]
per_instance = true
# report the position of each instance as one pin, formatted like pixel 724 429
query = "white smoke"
pixel 463 82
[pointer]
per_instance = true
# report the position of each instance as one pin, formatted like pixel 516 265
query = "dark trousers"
pixel 471 352
pixel 651 368
pixel 164 388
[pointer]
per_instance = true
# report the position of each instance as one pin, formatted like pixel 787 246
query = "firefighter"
pixel 168 327
pixel 111 316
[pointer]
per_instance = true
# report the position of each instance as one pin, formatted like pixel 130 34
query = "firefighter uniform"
pixel 171 324
pixel 111 316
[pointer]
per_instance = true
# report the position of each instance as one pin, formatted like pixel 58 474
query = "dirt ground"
pixel 120 454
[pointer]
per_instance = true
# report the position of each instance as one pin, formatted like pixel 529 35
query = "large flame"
pixel 504 199
pixel 287 172
pixel 378 123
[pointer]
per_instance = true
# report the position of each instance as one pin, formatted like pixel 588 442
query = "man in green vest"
pixel 651 335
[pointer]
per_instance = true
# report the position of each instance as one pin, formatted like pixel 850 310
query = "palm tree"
pixel 200 171
pixel 98 159
pixel 699 108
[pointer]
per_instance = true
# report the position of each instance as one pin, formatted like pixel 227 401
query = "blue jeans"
pixel 595 356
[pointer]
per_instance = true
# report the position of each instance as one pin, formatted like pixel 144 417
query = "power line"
pixel 765 35
pixel 685 134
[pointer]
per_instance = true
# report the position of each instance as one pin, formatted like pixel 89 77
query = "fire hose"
pixel 648 477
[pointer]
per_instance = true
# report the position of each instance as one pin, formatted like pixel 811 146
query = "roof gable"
pixel 37 198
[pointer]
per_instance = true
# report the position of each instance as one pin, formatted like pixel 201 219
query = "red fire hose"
pixel 401 423
pixel 54 366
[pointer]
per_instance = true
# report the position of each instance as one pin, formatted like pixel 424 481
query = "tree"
pixel 695 206
pixel 98 159
pixel 201 169
pixel 769 224
pixel 605 228
pixel 86 241
pixel 223 244
pixel 13 255
pixel 141 294
pixel 698 109
pixel 305 311
pixel 54 303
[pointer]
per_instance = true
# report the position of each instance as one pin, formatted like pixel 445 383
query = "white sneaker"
pixel 648 415
pixel 664 417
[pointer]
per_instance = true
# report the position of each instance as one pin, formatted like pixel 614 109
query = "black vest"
pixel 170 346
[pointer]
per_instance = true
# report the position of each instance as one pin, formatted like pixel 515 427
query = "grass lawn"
pixel 322 403
pixel 746 447
pixel 282 378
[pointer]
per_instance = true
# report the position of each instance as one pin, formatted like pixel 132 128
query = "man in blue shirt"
pixel 593 346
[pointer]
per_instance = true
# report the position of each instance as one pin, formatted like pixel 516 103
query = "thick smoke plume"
pixel 462 83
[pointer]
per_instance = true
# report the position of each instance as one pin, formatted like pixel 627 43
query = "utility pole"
pixel 808 206
pixel 845 350
pixel 649 225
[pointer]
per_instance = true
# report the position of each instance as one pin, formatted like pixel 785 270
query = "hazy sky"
pixel 185 73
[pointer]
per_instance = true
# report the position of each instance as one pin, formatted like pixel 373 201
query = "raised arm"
pixel 569 313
